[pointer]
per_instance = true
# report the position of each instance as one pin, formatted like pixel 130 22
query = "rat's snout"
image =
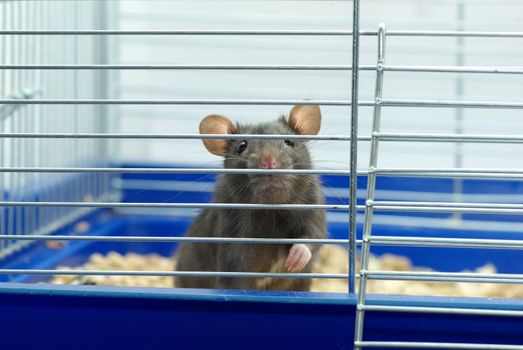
pixel 269 162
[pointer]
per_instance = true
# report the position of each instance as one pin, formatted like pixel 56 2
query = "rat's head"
pixel 266 154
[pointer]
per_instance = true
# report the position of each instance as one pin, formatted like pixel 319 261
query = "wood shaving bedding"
pixel 332 259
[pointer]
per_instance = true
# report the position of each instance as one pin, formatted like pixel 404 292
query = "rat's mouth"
pixel 271 188
pixel 277 181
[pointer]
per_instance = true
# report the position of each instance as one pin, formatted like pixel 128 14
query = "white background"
pixel 492 15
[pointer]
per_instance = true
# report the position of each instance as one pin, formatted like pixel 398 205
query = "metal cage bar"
pixel 353 185
pixel 458 172
pixel 392 68
pixel 73 272
pixel 443 276
pixel 176 239
pixel 436 345
pixel 429 33
pixel 384 137
pixel 443 310
pixel 87 204
pixel 371 188
pixel 19 117
pixel 421 242
pixel 339 103
pixel 172 171
pixel 17 134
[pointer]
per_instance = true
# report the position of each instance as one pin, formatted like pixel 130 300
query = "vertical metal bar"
pixel 102 86
pixel 115 112
pixel 44 44
pixel 19 152
pixel 62 90
pixel 70 84
pixel 354 143
pixel 24 120
pixel 34 113
pixel 77 187
pixel 21 156
pixel 30 47
pixel 47 79
pixel 3 217
pixel 54 120
pixel 459 112
pixel 12 229
pixel 65 121
pixel 85 114
pixel 371 187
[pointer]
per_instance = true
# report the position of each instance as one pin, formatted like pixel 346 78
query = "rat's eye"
pixel 242 147
pixel 289 143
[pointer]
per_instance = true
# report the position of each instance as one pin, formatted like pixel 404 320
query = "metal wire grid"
pixel 380 67
pixel 16 118
pixel 368 239
pixel 13 136
pixel 61 203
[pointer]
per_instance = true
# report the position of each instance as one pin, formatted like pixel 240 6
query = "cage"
pixel 100 158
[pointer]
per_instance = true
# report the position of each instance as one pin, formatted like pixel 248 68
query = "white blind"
pixel 397 15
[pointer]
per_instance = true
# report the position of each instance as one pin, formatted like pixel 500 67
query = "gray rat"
pixel 258 188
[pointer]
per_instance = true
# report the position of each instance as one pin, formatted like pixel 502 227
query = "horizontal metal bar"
pixel 442 310
pixel 182 102
pixel 327 67
pixel 249 206
pixel 451 173
pixel 401 137
pixel 447 209
pixel 421 242
pixel 173 239
pixel 443 276
pixel 320 67
pixel 450 104
pixel 486 208
pixel 335 32
pixel 382 171
pixel 448 204
pixel 173 171
pixel 453 69
pixel 179 136
pixel 404 137
pixel 426 345
pixel 459 175
pixel 170 273
pixel 384 102
pixel 448 33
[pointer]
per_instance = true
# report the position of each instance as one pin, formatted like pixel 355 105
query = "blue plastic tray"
pixel 88 317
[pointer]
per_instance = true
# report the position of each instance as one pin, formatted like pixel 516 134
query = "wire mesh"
pixel 457 206
pixel 25 85
pixel 40 102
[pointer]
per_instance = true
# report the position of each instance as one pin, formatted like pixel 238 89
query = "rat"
pixel 258 223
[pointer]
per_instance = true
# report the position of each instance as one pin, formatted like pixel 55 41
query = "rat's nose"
pixel 269 162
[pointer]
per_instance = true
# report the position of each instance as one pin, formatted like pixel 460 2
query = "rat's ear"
pixel 217 124
pixel 306 120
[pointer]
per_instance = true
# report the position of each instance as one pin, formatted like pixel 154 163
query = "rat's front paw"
pixel 299 256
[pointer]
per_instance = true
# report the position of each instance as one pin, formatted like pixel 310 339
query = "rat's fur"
pixel 243 188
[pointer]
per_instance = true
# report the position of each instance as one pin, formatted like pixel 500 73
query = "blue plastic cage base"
pixel 143 318
pixel 87 317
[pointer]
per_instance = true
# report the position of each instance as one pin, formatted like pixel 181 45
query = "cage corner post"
pixel 371 191
pixel 353 186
